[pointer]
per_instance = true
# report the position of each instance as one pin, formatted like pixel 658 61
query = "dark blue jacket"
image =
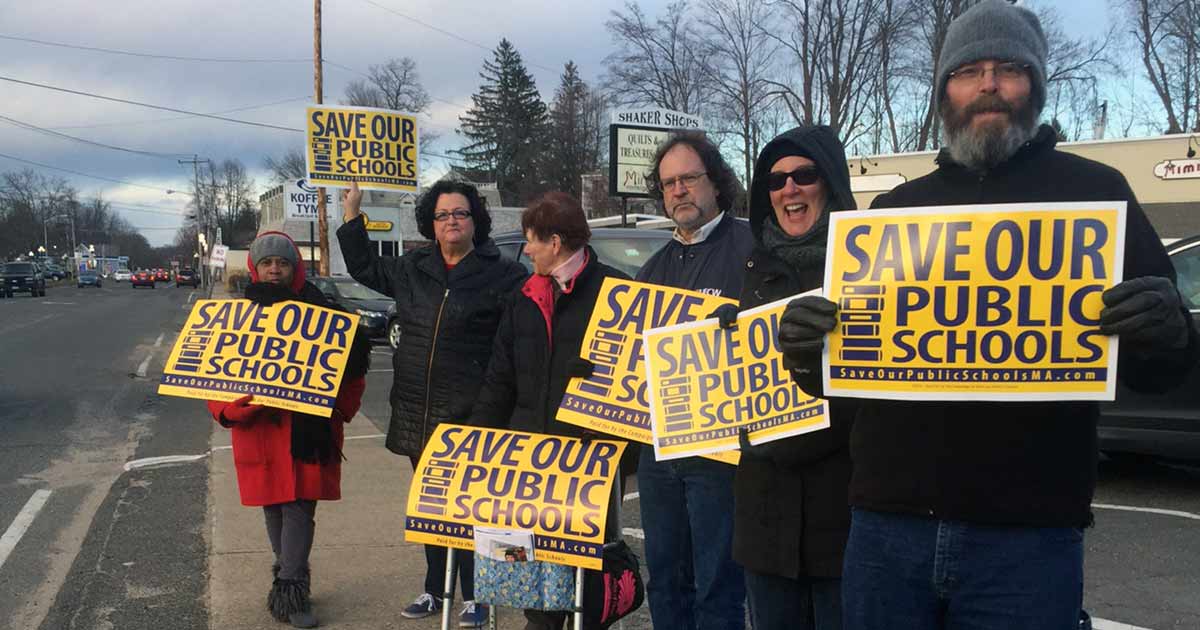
pixel 714 266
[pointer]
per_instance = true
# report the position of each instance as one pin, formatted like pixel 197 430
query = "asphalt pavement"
pixel 170 546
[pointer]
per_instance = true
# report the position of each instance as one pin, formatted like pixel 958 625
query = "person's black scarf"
pixel 312 436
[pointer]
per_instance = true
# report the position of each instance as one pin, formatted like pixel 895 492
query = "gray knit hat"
pixel 273 244
pixel 995 29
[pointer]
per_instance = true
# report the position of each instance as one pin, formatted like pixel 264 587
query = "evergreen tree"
pixel 505 127
pixel 573 147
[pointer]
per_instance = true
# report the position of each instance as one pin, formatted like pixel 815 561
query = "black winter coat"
pixel 527 376
pixel 447 321
pixel 1022 464
pixel 791 515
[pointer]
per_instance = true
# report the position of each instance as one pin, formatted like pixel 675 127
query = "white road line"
pixel 141 371
pixel 61 303
pixel 632 495
pixel 1133 508
pixel 171 460
pixel 633 531
pixel 158 342
pixel 381 370
pixel 21 524
pixel 1105 624
pixel 190 296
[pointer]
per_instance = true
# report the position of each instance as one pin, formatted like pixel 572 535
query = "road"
pixel 112 549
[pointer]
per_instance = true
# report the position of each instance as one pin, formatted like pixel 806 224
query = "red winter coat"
pixel 262 448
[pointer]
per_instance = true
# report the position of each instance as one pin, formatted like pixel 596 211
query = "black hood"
pixel 817 143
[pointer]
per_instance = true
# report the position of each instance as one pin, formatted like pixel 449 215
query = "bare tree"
pixel 396 85
pixel 738 57
pixel 656 63
pixel 833 45
pixel 287 167
pixel 1169 48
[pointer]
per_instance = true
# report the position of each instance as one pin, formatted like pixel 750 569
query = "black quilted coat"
pixel 447 321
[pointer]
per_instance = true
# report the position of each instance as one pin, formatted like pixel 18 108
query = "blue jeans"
pixel 779 603
pixel 918 573
pixel 687 514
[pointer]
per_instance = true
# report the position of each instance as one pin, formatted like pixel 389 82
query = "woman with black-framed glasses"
pixel 791 517
pixel 449 297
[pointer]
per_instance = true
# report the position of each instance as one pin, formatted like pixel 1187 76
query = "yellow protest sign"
pixel 290 355
pixel 706 383
pixel 989 302
pixel 613 400
pixel 558 488
pixel 378 148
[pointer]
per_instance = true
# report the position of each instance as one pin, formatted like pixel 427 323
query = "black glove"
pixel 580 368
pixel 804 324
pixel 726 315
pixel 744 440
pixel 1146 312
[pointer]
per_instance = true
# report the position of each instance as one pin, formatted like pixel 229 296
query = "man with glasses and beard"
pixel 687 504
pixel 968 514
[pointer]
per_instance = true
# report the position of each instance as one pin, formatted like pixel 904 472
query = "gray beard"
pixel 985 148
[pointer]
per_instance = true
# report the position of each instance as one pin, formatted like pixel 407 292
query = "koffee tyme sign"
pixel 634 136
pixel 987 302
pixel 556 487
pixel 300 200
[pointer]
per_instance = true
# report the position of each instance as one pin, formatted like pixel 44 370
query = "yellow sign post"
pixel 707 383
pixel 289 355
pixel 556 487
pixel 378 148
pixel 613 400
pixel 990 302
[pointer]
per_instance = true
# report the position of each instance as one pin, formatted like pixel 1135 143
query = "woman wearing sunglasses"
pixel 449 298
pixel 791 518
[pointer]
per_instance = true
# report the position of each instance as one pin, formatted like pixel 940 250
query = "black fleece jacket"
pixel 1021 463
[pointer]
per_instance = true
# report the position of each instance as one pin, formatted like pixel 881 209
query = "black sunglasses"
pixel 803 176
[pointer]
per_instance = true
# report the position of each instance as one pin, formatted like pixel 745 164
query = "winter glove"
pixel 803 326
pixel 240 410
pixel 726 315
pixel 744 440
pixel 1146 312
pixel 580 368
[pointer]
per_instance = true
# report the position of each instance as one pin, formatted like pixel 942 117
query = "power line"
pixel 140 104
pixel 447 33
pixel 128 53
pixel 45 131
pixel 107 179
pixel 174 118
pixel 367 76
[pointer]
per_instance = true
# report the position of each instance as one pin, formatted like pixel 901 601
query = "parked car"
pixel 88 279
pixel 187 277
pixel 22 277
pixel 122 275
pixel 626 249
pixel 53 271
pixel 356 298
pixel 142 278
pixel 1160 425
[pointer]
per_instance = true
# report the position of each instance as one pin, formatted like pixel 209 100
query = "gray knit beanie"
pixel 273 245
pixel 996 29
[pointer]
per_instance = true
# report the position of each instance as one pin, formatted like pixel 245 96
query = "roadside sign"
pixel 300 201
pixel 217 257
pixel 634 137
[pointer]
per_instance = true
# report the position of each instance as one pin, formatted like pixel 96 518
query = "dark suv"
pixel 22 277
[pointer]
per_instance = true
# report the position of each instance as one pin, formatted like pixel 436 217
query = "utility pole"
pixel 322 220
pixel 201 223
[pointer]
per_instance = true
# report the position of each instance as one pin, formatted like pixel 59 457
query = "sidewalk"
pixel 363 571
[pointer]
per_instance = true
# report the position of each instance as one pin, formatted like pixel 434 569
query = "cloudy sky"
pixel 449 39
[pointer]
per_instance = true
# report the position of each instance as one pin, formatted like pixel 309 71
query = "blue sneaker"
pixel 424 606
pixel 473 615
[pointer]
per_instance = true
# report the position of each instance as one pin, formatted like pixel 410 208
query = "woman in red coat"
pixel 287 461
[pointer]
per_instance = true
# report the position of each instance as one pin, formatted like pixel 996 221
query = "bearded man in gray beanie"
pixel 970 514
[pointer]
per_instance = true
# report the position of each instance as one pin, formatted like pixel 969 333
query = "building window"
pixel 390 248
